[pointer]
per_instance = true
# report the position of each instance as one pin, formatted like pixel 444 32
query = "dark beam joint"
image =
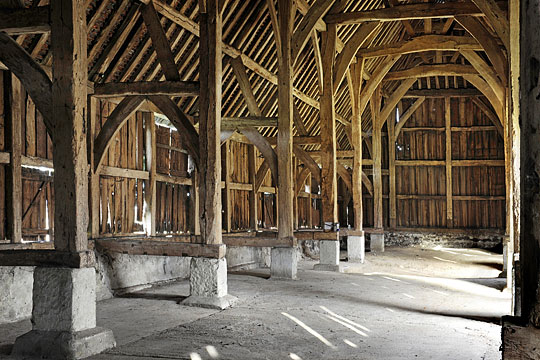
pixel 35 20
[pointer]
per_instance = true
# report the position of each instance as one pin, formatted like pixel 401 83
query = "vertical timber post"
pixel 329 245
pixel 210 54
pixel 151 164
pixel 448 163
pixel 208 278
pixel 391 124
pixel 95 192
pixel 228 174
pixel 69 96
pixel 253 203
pixel 377 238
pixel 284 261
pixel 356 240
pixel 14 119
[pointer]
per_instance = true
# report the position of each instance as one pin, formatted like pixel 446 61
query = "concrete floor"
pixel 403 304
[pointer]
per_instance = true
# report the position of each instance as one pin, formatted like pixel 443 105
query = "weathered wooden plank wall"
pixel 421 190
pixel 37 186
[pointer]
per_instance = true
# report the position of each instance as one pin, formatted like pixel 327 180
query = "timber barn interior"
pixel 269 179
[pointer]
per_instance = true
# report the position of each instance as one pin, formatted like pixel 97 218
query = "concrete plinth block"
pixel 284 263
pixel 208 284
pixel 356 248
pixel 329 252
pixel 64 299
pixel 63 317
pixel 377 242
pixel 63 344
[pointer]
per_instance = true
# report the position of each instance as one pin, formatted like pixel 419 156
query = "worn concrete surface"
pixel 400 304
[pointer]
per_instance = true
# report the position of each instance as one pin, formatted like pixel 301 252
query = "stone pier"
pixel 208 284
pixel 356 247
pixel 64 317
pixel 284 263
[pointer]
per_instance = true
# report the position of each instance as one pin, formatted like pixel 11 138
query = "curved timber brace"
pixel 32 76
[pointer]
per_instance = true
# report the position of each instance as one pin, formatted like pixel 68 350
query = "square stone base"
pixel 376 242
pixel 64 299
pixel 329 252
pixel 284 263
pixel 356 248
pixel 208 284
pixel 63 344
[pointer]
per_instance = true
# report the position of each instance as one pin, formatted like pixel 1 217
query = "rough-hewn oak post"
pixel 448 163
pixel 328 133
pixel 285 122
pixel 356 83
pixel 69 90
pixel 151 165
pixel 210 53
pixel 377 163
pixel 253 198
pixel 94 175
pixel 14 117
pixel 392 198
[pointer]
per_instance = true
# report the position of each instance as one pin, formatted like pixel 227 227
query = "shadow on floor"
pixel 153 296
pixel 262 275
pixel 494 283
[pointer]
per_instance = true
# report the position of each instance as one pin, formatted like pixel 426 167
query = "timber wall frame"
pixel 378 76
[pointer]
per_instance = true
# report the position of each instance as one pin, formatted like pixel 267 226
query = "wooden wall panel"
pixel 421 190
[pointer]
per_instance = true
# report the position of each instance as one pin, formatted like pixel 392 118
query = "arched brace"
pixel 345 176
pixel 367 183
pixel 307 24
pixel 186 130
pixel 127 107
pixel 31 75
pixel 255 137
pixel 261 174
pixel 308 162
pixel 347 179
pixel 345 57
pixel 489 43
pixel 301 179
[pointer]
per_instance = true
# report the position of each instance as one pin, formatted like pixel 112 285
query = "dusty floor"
pixel 403 304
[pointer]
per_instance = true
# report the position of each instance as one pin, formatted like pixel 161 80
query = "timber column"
pixel 64 298
pixel 377 237
pixel 356 248
pixel 208 279
pixel 521 334
pixel 284 259
pixel 329 242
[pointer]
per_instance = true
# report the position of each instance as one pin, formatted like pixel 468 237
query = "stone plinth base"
pixel 208 284
pixel 329 252
pixel 356 248
pixel 63 317
pixel 520 342
pixel 284 263
pixel 376 242
pixel 63 344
